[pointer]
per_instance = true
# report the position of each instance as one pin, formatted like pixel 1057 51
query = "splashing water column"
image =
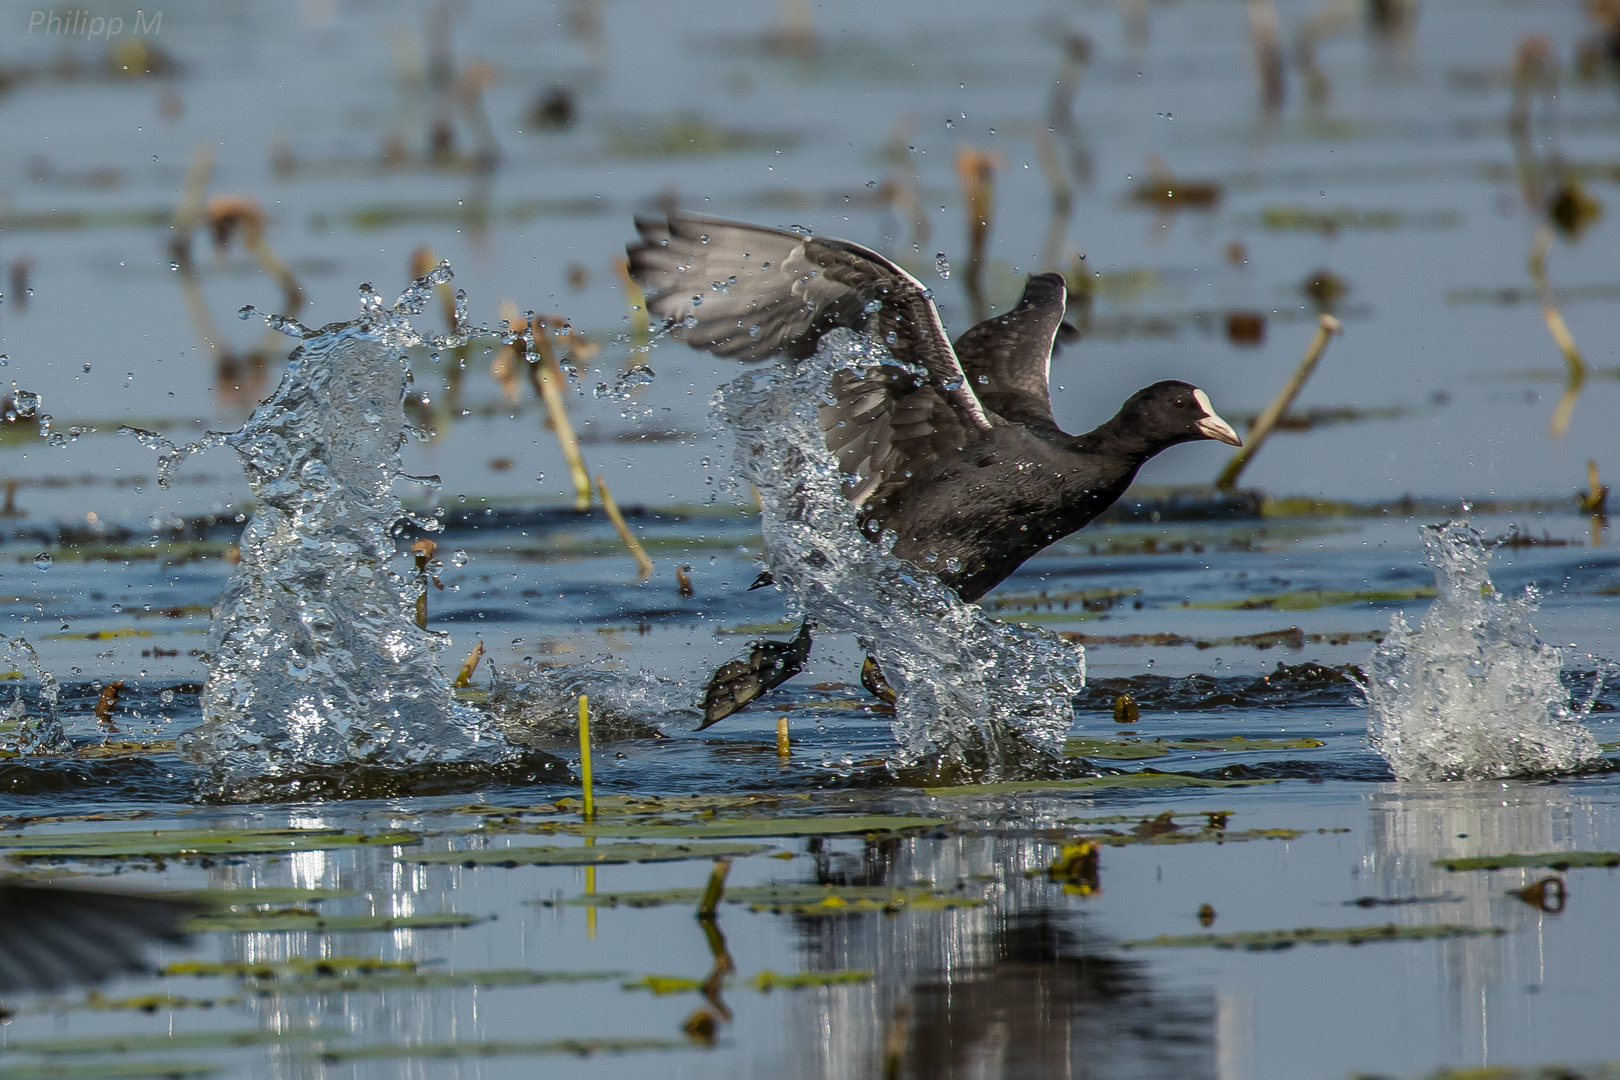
pixel 1472 693
pixel 317 658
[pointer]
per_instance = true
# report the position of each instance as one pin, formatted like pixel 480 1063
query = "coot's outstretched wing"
pixel 52 937
pixel 1008 359
pixel 750 292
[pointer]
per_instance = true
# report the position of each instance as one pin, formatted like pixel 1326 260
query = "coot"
pixel 955 448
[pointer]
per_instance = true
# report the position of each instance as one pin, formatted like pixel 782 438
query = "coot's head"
pixel 1173 412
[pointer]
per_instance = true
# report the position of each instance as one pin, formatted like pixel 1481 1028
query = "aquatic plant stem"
pixel 644 561
pixel 549 381
pixel 784 749
pixel 1576 363
pixel 585 756
pixel 715 888
pixel 1326 327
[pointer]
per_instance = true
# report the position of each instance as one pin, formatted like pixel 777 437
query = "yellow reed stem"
pixel 585 757
pixel 550 384
pixel 464 680
pixel 784 749
pixel 1326 327
pixel 643 560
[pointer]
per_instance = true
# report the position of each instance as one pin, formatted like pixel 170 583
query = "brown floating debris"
pixel 1245 327
pixel 1166 191
pixel 701 1027
pixel 644 562
pixel 1126 711
pixel 1206 915
pixel 1550 894
pixel 683 580
pixel 464 679
pixel 1076 866
pixel 106 703
pixel 1325 288
pixel 1327 326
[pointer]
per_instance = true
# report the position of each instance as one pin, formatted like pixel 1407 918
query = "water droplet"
pixel 87 369
pixel 245 312
pixel 943 265
pixel 458 558
pixel 43 561
pixel 174 265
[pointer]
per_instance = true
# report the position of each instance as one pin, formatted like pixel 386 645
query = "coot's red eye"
pixel 1181 403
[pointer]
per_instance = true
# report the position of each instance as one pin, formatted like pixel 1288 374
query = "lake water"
pixel 1407 179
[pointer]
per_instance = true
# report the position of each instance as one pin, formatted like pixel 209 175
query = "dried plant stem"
pixel 644 561
pixel 1326 327
pixel 464 679
pixel 784 748
pixel 548 377
pixel 715 888
pixel 1574 361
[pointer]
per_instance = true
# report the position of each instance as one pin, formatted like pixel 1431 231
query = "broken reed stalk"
pixel 547 375
pixel 784 748
pixel 1062 199
pixel 585 757
pixel 715 888
pixel 188 213
pixel 106 703
pixel 1326 327
pixel 464 679
pixel 1540 248
pixel 976 169
pixel 644 561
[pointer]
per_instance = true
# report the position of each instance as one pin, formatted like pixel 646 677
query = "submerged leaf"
pixel 584 856
pixel 1264 940
pixel 1141 749
pixel 575 1047
pixel 1122 780
pixel 761 897
pixel 245 922
pixel 767 981
pixel 801 826
pixel 280 969
pixel 188 1040
pixel 182 843
pixel 1552 860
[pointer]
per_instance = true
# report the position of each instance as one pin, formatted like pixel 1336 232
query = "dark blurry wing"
pixel 1008 359
pixel 52 938
pixel 749 292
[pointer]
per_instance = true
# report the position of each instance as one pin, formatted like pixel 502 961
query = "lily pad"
pixel 1202 836
pixel 424 980
pixel 1141 749
pixel 1552 860
pixel 587 856
pixel 574 1047
pixel 760 897
pixel 800 826
pixel 188 1040
pixel 766 981
pixel 280 969
pixel 1310 600
pixel 610 805
pixel 1271 940
pixel 659 985
pixel 222 899
pixel 1123 780
pixel 183 843
pixel 246 922
pixel 124 1070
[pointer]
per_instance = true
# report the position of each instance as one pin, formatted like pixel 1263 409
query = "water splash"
pixel 974 694
pixel 30 734
pixel 317 661
pixel 537 705
pixel 1472 693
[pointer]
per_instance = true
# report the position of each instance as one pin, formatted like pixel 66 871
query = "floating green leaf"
pixel 1310 600
pixel 1122 780
pixel 761 897
pixel 766 981
pixel 1552 860
pixel 1141 749
pixel 244 922
pixel 184 843
pixel 782 826
pixel 281 969
pixel 575 1047
pixel 610 805
pixel 220 899
pixel 587 856
pixel 123 1070
pixel 1202 836
pixel 1266 940
pixel 424 980
pixel 188 1040
pixel 1132 819
pixel 660 985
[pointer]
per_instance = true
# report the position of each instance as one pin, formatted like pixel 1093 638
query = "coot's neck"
pixel 1119 447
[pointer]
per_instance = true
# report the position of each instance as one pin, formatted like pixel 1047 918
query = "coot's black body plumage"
pixel 955 448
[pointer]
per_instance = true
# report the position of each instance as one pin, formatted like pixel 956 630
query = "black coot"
pixel 964 462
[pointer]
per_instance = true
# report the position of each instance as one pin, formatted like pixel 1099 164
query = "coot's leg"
pixel 876 685
pixel 737 684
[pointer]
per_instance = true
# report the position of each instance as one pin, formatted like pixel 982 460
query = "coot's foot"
pixel 739 683
pixel 876 685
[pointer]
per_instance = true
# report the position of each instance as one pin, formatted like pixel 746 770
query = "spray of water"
pixel 317 661
pixel 974 694
pixel 1472 693
pixel 25 732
